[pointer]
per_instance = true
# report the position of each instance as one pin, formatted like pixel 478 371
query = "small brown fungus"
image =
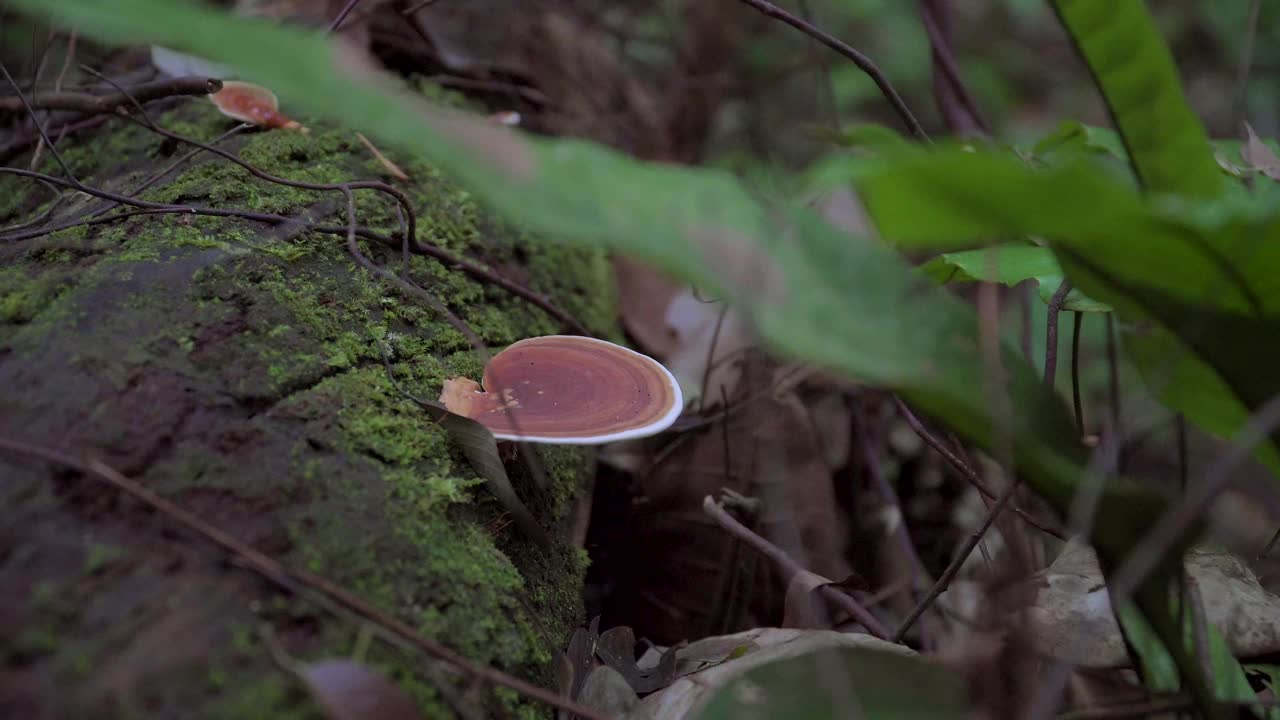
pixel 568 390
pixel 253 104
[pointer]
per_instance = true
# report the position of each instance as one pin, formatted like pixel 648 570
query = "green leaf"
pixel 1010 265
pixel 1134 69
pixel 841 683
pixel 1210 254
pixel 867 137
pixel 1209 275
pixel 1227 676
pixel 1185 383
pixel 481 450
pixel 1073 137
pixel 1270 675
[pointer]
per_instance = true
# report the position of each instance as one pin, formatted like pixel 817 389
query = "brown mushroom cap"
pixel 568 390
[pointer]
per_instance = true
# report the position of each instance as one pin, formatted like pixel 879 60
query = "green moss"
pixel 101 555
pixel 274 695
pixel 297 437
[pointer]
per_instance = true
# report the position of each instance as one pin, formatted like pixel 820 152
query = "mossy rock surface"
pixel 234 368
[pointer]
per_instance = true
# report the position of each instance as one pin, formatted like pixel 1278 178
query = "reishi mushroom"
pixel 568 390
pixel 253 104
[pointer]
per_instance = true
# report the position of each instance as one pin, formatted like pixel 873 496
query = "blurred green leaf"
pixel 1010 265
pixel 1073 136
pixel 1209 274
pixel 843 303
pixel 867 137
pixel 1226 674
pixel 1134 70
pixel 1185 383
pixel 841 683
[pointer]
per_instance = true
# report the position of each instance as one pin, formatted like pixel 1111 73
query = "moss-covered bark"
pixel 234 368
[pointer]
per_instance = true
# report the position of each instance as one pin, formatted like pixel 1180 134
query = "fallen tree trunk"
pixel 235 368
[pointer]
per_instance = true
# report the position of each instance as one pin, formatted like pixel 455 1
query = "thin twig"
pixel 342 15
pixel 1113 382
pixel 959 108
pixel 417 6
pixel 1173 524
pixel 57 88
pixel 21 143
pixel 862 61
pixel 291 578
pixel 871 457
pixel 711 356
pixel 110 103
pixel 1076 405
pixel 957 562
pixel 173 166
pixel 471 268
pixel 1240 112
pixel 965 469
pixel 44 135
pixel 1051 332
pixel 1180 428
pixel 790 567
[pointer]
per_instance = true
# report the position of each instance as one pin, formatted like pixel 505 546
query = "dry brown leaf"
pixel 391 167
pixel 607 690
pixel 804 606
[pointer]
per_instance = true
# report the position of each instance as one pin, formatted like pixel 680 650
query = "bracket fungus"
pixel 252 104
pixel 568 390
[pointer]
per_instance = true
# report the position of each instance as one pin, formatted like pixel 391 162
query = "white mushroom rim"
pixel 568 390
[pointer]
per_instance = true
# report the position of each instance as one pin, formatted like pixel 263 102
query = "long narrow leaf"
pixel 1135 72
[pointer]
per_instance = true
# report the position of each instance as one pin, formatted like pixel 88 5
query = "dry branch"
pixel 111 102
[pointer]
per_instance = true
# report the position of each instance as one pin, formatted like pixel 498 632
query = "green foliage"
pixel 1134 69
pixel 1010 265
pixel 1195 257
pixel 1205 271
pixel 1229 679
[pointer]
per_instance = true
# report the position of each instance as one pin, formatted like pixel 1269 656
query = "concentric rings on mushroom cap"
pixel 574 390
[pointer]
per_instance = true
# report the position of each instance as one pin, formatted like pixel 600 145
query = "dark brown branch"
pixel 77 124
pixel 954 100
pixel 1051 332
pixel 292 579
pixel 862 61
pixel 790 567
pixel 109 103
pixel 965 469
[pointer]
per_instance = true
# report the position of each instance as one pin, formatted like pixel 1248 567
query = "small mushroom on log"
pixel 568 390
